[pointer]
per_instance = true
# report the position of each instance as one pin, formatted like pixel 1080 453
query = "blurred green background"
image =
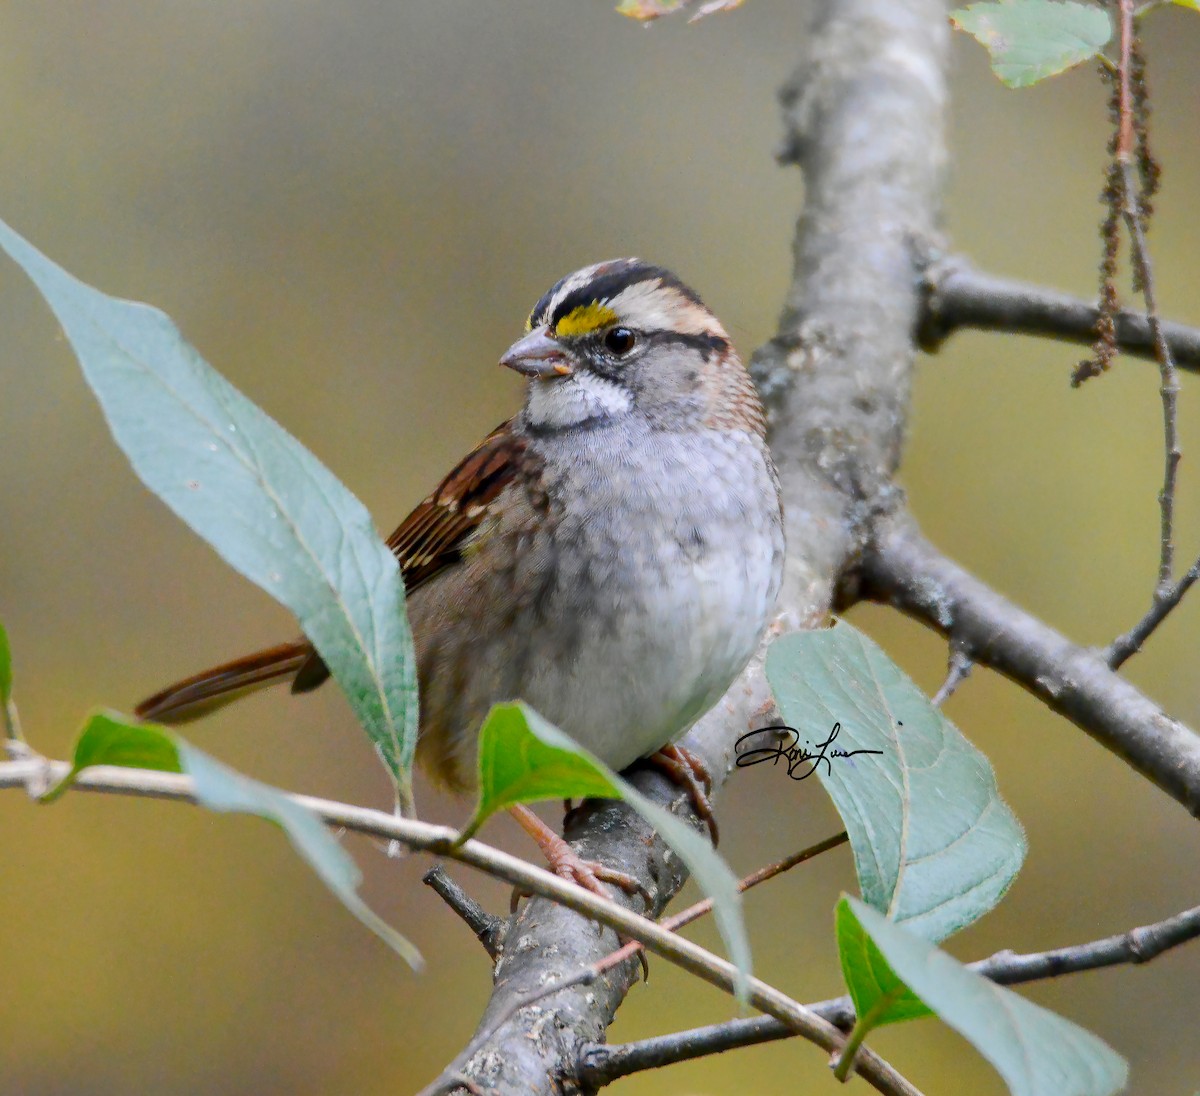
pixel 349 210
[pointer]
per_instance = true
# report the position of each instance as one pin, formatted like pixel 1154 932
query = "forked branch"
pixel 903 569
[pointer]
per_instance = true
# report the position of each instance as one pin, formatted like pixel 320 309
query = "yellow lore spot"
pixel 585 319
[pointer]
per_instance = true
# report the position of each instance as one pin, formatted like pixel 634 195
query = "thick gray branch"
pixel 958 296
pixel 901 567
pixel 864 120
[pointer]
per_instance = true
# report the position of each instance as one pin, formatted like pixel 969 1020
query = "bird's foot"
pixel 687 770
pixel 567 864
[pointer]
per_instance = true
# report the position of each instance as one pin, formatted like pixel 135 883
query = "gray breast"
pixel 619 595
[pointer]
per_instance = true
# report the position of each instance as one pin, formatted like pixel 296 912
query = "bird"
pixel 611 555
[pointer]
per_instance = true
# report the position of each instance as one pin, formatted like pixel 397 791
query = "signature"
pixel 802 761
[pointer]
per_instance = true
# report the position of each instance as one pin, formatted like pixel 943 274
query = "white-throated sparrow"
pixel 610 555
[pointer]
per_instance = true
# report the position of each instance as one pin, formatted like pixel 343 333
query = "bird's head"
pixel 623 338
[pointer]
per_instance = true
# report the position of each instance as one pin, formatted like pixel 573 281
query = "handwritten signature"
pixel 796 756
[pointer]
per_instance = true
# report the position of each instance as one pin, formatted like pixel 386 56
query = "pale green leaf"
pixel 935 847
pixel 1037 1052
pixel 524 758
pixel 220 788
pixel 1029 40
pixel 267 505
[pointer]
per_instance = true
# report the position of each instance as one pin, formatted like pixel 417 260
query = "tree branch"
pixel 601 1065
pixel 959 296
pixel 902 568
pixel 38 774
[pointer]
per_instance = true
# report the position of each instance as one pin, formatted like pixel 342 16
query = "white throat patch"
pixel 575 399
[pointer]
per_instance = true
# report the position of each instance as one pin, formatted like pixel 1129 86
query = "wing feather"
pixel 437 532
pixel 434 535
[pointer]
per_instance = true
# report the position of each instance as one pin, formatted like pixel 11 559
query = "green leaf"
pixel 519 765
pixel 1029 40
pixel 523 758
pixel 869 979
pixel 111 739
pixel 6 675
pixel 268 506
pixel 1193 4
pixel 1036 1052
pixel 935 847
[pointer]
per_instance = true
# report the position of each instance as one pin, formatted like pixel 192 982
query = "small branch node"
pixel 1166 597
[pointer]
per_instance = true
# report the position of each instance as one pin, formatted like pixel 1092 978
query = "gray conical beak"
pixel 538 355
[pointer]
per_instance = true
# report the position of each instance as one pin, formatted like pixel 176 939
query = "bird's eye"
pixel 619 341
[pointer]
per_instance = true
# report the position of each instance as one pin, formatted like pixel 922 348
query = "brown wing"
pixel 435 534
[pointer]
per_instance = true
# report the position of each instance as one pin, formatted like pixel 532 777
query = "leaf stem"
pixel 12 723
pixel 863 1025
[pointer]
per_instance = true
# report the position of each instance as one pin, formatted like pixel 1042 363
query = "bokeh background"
pixel 349 209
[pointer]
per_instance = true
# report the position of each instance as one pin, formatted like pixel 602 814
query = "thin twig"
pixel 1135 221
pixel 600 1065
pixel 694 912
pixel 427 837
pixel 486 926
pixel 1168 389
pixel 1131 642
pixel 460 1080
pixel 958 296
pixel 959 665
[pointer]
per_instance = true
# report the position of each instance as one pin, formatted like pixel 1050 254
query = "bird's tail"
pixel 199 694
